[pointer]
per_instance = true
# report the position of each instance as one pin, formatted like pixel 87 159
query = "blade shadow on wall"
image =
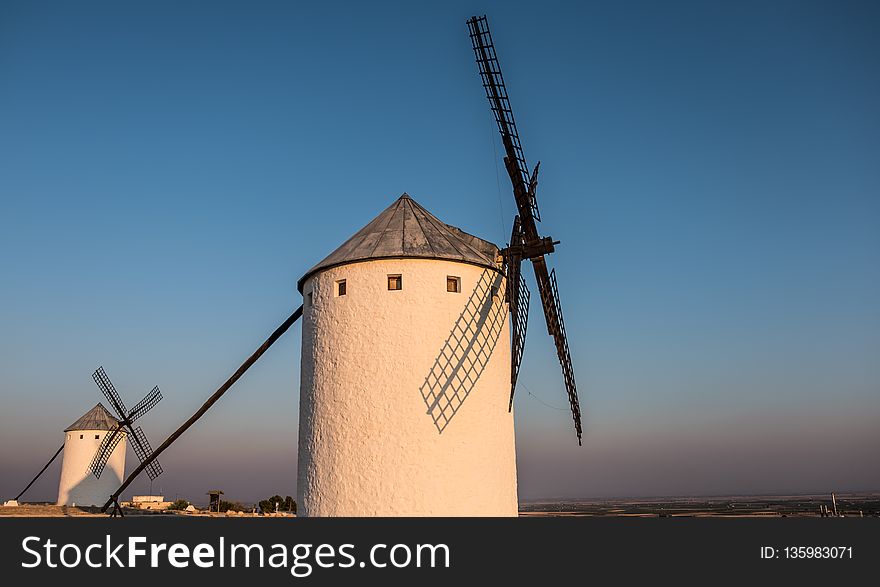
pixel 466 351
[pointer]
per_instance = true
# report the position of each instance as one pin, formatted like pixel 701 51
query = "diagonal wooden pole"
pixel 207 405
pixel 34 480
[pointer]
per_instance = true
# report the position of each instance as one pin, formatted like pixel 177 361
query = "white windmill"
pixel 78 486
pixel 407 354
pixel 405 374
pixel 409 362
pixel 94 448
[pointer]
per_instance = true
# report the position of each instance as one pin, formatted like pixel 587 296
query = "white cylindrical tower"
pixel 78 485
pixel 405 375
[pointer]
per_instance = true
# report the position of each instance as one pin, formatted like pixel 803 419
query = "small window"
pixel 395 282
pixel 97 436
pixel 309 299
pixel 340 287
pixel 80 436
pixel 453 284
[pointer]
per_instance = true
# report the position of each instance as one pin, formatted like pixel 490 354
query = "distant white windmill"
pixel 82 440
pixel 95 443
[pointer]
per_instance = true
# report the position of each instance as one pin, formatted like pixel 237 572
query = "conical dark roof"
pixel 98 418
pixel 406 230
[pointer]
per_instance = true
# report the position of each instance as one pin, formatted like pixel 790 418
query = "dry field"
pixel 848 505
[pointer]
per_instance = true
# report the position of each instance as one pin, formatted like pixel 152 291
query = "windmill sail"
pixel 530 245
pixel 518 299
pixel 553 313
pixel 139 441
pixel 496 92
pixel 105 449
pixel 146 404
pixel 109 392
pixel 143 450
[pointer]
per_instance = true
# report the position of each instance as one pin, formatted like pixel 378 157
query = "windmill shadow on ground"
pixel 466 351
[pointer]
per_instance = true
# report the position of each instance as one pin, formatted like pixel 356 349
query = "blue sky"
pixel 168 170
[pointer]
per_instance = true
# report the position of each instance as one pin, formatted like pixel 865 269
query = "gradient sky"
pixel 168 170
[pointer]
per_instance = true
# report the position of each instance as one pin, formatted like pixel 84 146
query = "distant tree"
pixel 284 504
pixel 180 504
pixel 225 506
pixel 267 506
pixel 289 504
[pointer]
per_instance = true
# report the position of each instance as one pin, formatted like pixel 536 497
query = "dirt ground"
pixel 47 511
pixel 29 510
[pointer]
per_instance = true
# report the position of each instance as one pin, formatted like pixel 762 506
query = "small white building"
pixel 148 502
pixel 405 375
pixel 82 439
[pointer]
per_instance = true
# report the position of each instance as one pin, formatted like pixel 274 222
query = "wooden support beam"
pixel 207 405
pixel 34 480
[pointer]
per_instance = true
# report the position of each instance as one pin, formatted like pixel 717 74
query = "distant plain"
pixel 733 506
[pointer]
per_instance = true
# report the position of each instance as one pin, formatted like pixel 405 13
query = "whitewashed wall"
pixel 374 437
pixel 78 486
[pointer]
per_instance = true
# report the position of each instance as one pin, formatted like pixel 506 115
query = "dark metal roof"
pixel 406 230
pixel 98 418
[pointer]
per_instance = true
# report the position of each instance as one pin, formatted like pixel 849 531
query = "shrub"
pixel 225 506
